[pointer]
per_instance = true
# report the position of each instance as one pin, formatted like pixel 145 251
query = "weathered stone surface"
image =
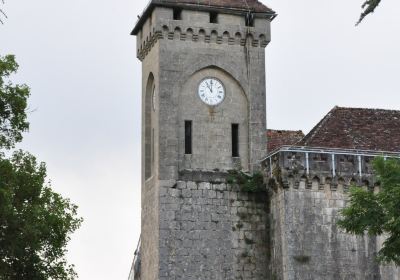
pixel 194 224
pixel 305 206
pixel 307 244
pixel 214 239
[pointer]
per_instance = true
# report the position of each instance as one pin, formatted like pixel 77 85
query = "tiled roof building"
pixel 202 215
pixel 310 180
pixel 356 128
pixel 279 138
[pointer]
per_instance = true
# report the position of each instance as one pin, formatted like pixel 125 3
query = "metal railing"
pixel 332 152
pixel 134 274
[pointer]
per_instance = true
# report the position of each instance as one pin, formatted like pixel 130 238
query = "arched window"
pixel 148 131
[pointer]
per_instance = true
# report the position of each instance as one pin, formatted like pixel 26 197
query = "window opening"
pixel 249 19
pixel 213 17
pixel 177 14
pixel 188 137
pixel 235 140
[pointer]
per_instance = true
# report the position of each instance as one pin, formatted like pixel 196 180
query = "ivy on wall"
pixel 248 183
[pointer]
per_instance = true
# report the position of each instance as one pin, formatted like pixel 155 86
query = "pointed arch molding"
pixel 226 68
pixel 148 126
pixel 213 124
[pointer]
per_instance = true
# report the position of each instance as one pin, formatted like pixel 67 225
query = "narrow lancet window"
pixel 188 137
pixel 235 140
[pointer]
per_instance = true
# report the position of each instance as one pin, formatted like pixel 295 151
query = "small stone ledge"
pixel 198 176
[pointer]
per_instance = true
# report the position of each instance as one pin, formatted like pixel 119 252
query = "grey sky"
pixel 79 60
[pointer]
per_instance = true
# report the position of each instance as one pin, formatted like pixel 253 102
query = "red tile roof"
pixel 279 138
pixel 354 128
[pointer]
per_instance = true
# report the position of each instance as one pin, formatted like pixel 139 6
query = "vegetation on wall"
pixel 247 182
pixel 377 213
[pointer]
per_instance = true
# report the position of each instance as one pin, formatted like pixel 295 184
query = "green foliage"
pixel 370 6
pixel 13 104
pixel 248 183
pixel 35 222
pixel 377 214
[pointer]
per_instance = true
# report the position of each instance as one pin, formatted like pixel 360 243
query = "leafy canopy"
pixel 35 222
pixel 13 104
pixel 378 213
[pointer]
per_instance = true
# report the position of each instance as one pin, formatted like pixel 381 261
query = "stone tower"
pixel 203 113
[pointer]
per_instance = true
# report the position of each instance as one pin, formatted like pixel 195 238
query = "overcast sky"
pixel 80 62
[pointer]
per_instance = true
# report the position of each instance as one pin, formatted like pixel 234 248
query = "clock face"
pixel 211 91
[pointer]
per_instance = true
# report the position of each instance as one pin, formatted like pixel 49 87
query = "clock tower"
pixel 203 113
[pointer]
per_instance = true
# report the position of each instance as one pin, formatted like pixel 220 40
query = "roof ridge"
pixel 366 109
pixel 285 130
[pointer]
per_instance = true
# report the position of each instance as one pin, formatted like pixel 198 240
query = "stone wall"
pixel 212 231
pixel 188 51
pixel 149 188
pixel 307 244
pixel 305 239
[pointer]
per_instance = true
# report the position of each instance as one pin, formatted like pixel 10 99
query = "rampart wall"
pixel 305 203
pixel 211 230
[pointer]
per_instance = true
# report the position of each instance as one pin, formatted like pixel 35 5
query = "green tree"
pixel 378 213
pixel 13 104
pixel 35 222
pixel 369 7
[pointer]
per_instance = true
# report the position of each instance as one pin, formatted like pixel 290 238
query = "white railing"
pixel 332 152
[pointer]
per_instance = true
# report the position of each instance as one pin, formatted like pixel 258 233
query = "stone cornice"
pixel 229 36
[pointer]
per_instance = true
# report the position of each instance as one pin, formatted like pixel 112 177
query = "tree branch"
pixel 370 6
pixel 2 13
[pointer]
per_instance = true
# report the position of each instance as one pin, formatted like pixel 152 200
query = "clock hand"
pixel 209 87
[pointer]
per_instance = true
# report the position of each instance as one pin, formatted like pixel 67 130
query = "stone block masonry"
pixel 307 191
pixel 308 245
pixel 212 231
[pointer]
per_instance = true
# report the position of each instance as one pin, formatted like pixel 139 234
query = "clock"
pixel 211 91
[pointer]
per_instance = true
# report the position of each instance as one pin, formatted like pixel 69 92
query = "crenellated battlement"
pixel 321 169
pixel 194 26
pixel 308 188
